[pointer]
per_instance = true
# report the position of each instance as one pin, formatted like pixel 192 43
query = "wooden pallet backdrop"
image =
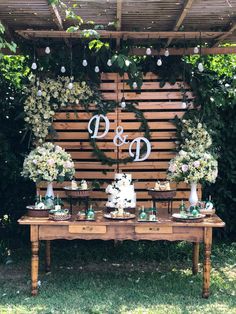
pixel 159 105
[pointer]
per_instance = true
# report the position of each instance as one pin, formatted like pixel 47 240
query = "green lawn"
pixel 133 278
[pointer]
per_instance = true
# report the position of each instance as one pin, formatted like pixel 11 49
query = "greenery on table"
pixel 94 277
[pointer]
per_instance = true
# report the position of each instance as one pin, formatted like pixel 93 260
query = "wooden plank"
pixel 120 34
pixel 221 38
pixel 187 6
pixel 145 86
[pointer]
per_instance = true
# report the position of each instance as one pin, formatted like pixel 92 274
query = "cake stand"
pixel 83 195
pixel 160 196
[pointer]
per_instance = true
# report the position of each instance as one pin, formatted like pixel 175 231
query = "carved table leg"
pixel 48 256
pixel 207 262
pixel 195 257
pixel 34 267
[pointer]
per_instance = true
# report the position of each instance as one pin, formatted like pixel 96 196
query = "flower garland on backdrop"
pixel 44 98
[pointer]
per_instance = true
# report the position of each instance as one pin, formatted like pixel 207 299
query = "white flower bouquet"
pixel 191 167
pixel 50 163
pixel 193 163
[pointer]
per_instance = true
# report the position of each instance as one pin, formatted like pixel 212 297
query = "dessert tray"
pixel 37 212
pixel 110 216
pixel 188 218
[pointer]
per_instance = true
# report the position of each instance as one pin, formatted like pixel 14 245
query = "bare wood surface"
pixel 48 256
pixel 181 17
pixel 195 258
pixel 207 262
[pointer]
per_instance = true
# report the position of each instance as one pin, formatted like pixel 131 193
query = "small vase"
pixel 193 198
pixel 49 197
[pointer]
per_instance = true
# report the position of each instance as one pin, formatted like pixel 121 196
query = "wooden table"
pixel 103 229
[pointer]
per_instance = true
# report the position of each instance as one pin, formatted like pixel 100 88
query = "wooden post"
pixel 48 256
pixel 207 262
pixel 34 258
pixel 195 258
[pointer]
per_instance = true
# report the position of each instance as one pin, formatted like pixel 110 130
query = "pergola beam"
pixel 181 17
pixel 118 19
pixel 57 19
pixel 183 51
pixel 120 34
pixel 227 34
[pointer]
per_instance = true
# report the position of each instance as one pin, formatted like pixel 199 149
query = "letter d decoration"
pixel 137 153
pixel 97 119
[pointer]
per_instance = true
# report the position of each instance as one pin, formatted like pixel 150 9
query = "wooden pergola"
pixel 172 22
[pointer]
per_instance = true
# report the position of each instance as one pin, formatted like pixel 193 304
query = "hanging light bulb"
pixel 184 104
pixel 166 53
pixel 135 85
pixel 200 67
pixel 109 63
pixel 34 66
pixel 63 69
pixel 196 49
pixel 148 51
pixel 159 62
pixel 127 63
pixel 47 50
pixel 122 102
pixel 85 63
pixel 96 69
pixel 70 85
pixel 39 93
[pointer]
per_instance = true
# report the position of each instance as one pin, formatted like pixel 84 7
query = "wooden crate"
pixel 159 105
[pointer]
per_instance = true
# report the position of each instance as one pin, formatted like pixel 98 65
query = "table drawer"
pixel 153 229
pixel 87 229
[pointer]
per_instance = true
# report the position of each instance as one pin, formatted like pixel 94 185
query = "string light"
pixel 159 62
pixel 135 85
pixel 34 65
pixel 109 62
pixel 84 62
pixel 47 50
pixel 148 51
pixel 63 69
pixel 70 85
pixel 200 64
pixel 39 93
pixel 122 102
pixel 166 53
pixel 196 50
pixel 184 104
pixel 200 67
pixel 96 69
pixel 127 63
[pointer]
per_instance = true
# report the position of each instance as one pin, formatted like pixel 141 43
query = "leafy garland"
pixel 144 127
pixel 40 109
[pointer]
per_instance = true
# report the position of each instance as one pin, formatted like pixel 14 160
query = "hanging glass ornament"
pixel 148 51
pixel 159 62
pixel 63 69
pixel 47 50
pixel 39 93
pixel 96 69
pixel 166 53
pixel 135 85
pixel 109 63
pixel 200 67
pixel 122 102
pixel 196 49
pixel 85 63
pixel 34 66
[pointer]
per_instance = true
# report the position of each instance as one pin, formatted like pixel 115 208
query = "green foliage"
pixel 4 43
pixel 15 193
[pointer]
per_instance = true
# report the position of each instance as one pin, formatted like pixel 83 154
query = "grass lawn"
pixel 132 278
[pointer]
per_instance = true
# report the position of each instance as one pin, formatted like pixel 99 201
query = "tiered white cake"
pixel 121 192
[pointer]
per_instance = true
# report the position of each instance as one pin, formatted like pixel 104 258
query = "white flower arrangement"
pixel 193 163
pixel 40 110
pixel 48 162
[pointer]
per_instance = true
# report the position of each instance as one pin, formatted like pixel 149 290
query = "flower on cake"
pixel 48 163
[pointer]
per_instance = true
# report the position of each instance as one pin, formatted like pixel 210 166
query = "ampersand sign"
pixel 118 137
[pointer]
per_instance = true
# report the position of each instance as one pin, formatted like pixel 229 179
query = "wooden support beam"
pixel 58 20
pixel 182 51
pixel 227 34
pixel 118 19
pixel 119 34
pixel 181 17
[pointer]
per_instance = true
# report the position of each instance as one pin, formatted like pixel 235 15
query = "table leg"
pixel 207 262
pixel 195 257
pixel 48 256
pixel 34 267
